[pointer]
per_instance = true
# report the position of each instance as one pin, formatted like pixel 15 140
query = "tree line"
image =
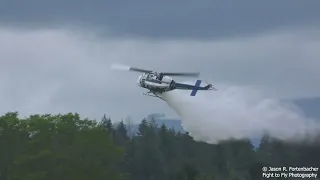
pixel 65 146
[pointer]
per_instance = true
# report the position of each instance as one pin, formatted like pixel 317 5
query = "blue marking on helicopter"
pixel 196 88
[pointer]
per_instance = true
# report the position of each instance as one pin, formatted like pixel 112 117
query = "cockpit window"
pixel 152 76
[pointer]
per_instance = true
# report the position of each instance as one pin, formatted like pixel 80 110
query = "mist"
pixel 235 112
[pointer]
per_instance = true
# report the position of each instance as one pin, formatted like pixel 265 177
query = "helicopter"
pixel 160 82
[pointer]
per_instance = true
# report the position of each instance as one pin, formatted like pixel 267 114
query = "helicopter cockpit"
pixel 152 76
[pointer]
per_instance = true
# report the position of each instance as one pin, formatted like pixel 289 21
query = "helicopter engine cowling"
pixel 167 79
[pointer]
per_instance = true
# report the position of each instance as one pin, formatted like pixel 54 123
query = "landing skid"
pixel 152 94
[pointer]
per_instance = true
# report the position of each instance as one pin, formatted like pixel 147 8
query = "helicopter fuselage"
pixel 156 82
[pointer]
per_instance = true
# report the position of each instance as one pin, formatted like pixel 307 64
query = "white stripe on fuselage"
pixel 156 85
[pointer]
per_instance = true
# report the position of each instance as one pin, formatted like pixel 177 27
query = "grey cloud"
pixel 165 19
pixel 52 71
pixel 62 71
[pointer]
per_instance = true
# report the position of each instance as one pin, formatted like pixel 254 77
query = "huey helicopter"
pixel 160 82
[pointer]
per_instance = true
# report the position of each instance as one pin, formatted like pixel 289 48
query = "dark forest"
pixel 52 147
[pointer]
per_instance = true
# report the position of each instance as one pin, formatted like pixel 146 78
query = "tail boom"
pixel 194 88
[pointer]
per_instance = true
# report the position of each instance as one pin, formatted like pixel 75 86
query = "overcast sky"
pixel 55 55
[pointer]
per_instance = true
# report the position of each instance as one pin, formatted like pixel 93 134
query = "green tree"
pixel 13 139
pixel 107 124
pixel 121 136
pixel 65 146
pixel 57 147
pixel 147 160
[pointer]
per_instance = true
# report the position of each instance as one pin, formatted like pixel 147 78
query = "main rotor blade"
pixel 182 74
pixel 128 68
pixel 120 67
pixel 140 70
